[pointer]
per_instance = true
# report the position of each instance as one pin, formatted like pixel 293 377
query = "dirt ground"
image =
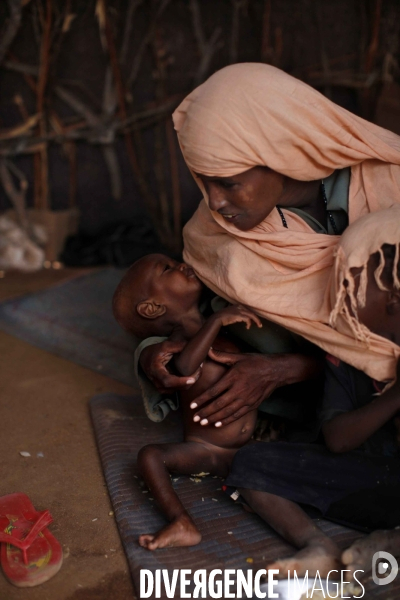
pixel 44 409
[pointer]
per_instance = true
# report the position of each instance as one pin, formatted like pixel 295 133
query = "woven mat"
pixel 121 429
pixel 74 320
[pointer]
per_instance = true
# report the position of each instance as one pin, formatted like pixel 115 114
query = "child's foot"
pixel 181 532
pixel 320 555
pixel 360 553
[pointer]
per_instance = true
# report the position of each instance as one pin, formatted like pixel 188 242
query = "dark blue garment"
pixel 311 475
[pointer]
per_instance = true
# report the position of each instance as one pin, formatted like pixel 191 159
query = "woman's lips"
pixel 229 217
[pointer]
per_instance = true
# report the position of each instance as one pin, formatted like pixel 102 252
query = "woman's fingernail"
pixel 190 380
pixel 196 419
pixel 204 422
pixel 193 405
pixel 218 424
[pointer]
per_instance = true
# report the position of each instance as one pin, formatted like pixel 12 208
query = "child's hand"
pixel 237 314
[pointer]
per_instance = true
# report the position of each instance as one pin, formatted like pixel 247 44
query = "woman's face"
pixel 244 200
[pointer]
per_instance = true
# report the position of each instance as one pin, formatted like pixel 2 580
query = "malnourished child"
pixel 160 296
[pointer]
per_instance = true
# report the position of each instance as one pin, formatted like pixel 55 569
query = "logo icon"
pixel 383 562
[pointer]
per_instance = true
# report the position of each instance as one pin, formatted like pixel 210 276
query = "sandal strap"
pixel 41 523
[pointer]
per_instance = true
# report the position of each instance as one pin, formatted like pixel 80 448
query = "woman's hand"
pixel 251 379
pixel 154 360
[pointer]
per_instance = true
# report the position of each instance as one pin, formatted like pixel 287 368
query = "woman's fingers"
pixel 223 421
pixel 225 416
pixel 224 406
pixel 166 381
pixel 154 361
pixel 214 391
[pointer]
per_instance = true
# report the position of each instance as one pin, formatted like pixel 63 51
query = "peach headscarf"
pixel 254 114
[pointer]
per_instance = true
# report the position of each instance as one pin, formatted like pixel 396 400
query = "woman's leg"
pixel 317 552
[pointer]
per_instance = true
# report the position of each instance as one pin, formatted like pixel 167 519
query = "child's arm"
pixel 350 430
pixel 196 350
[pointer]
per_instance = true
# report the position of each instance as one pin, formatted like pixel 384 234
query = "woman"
pixel 280 167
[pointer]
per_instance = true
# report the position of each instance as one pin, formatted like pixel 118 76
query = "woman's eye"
pixel 226 184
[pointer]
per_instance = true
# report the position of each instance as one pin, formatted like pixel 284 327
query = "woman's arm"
pixel 350 430
pixel 196 350
pixel 251 379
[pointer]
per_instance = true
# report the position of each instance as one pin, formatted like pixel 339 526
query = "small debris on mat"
pixel 25 454
pixel 94 519
pixel 40 455
pixel 230 532
pixel 177 479
pixel 249 560
pixel 214 499
pixel 111 513
pixel 145 491
pixel 195 479
pixel 112 550
pixel 202 474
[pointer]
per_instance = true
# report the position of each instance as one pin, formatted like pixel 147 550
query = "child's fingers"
pixel 257 320
pixel 251 317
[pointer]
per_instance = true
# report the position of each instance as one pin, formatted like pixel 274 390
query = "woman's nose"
pixel 216 199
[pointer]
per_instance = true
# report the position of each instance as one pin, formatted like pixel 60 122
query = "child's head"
pixel 381 312
pixel 154 295
pixel 366 287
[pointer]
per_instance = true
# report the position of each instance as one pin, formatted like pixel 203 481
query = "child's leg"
pixel 317 552
pixel 155 462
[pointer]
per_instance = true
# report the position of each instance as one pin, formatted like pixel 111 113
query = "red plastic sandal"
pixel 30 554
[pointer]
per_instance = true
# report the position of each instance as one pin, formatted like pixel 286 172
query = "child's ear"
pixel 393 302
pixel 150 309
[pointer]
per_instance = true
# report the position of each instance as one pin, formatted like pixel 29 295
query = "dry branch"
pixel 132 8
pixel 237 7
pixel 207 48
pixel 324 57
pixel 11 27
pixel 16 196
pixel 373 47
pixel 20 130
pixel 137 61
pixel 41 187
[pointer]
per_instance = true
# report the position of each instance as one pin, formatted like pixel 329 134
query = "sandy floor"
pixel 44 408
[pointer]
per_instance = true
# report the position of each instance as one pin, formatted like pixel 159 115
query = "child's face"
pixel 170 283
pixel 381 313
pixel 246 199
